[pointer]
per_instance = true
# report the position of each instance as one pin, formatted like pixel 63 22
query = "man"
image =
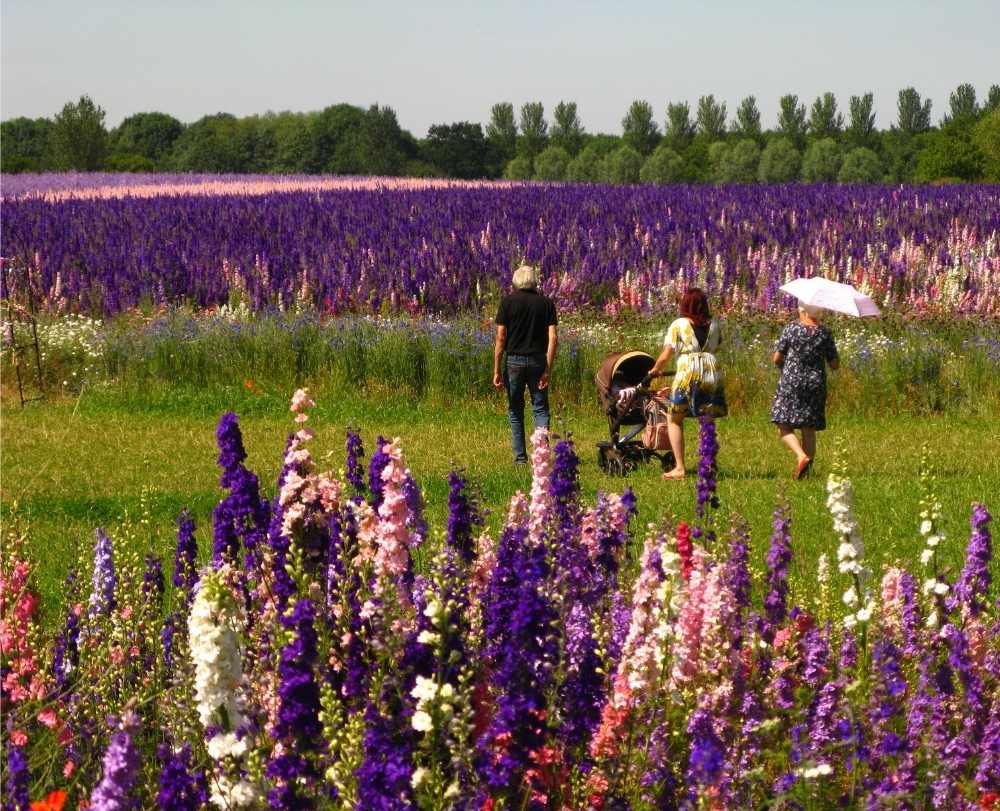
pixel 526 331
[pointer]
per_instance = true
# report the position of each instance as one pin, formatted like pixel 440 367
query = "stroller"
pixel 645 413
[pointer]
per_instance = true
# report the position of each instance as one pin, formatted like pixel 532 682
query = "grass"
pixel 73 465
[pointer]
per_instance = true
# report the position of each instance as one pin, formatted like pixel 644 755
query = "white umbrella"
pixel 841 298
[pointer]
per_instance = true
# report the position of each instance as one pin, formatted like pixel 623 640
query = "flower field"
pixel 338 652
pixel 104 245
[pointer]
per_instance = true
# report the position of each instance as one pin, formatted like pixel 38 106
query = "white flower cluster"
pixel 430 696
pixel 435 612
pixel 218 677
pixel 819 770
pixel 850 552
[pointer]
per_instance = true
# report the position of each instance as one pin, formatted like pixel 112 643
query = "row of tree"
pixel 817 143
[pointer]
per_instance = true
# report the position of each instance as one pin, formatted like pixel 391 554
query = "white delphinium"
pixel 850 551
pixel 213 629
pixel 934 587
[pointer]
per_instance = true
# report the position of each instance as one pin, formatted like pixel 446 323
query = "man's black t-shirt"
pixel 527 314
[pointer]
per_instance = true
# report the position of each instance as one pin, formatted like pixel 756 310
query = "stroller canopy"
pixel 628 367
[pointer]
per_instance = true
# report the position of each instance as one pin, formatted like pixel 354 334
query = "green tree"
pixel 586 166
pixel 518 169
pixel 779 162
pixel 947 156
pixel 621 166
pixel 736 163
pixel 551 164
pixel 861 165
pixel 663 166
pixel 293 145
pixel 78 138
pixel 680 129
pixel 747 124
pixel 986 137
pixel 824 120
pixel 899 155
pixel 792 119
pixel 24 144
pixel 208 145
pixel 150 135
pixel 534 130
pixel 962 106
pixel 380 144
pixel 567 131
pixel 254 144
pixel 333 149
pixel 639 130
pixel 913 116
pixel 711 118
pixel 459 150
pixel 501 132
pixel 861 129
pixel 992 99
pixel 821 162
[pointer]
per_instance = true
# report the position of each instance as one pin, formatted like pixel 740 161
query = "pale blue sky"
pixel 449 61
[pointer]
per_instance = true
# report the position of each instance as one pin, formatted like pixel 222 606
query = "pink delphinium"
pixel 540 506
pixel 23 679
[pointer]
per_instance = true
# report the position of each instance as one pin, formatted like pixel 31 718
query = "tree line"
pixel 814 143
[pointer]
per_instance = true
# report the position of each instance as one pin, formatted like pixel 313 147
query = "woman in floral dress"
pixel 697 388
pixel 804 349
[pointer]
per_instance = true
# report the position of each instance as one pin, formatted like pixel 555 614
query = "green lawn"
pixel 73 465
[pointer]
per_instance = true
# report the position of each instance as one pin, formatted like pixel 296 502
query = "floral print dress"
pixel 800 401
pixel 697 386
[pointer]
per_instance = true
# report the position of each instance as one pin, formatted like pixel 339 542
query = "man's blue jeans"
pixel 525 370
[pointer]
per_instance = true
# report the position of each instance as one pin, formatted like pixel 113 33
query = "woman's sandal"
pixel 672 475
pixel 802 469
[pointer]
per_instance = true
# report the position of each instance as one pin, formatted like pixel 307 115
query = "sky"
pixel 440 62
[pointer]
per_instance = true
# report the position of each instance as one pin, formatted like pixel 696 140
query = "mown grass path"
pixel 74 465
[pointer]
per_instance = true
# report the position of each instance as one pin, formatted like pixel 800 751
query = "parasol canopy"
pixel 830 295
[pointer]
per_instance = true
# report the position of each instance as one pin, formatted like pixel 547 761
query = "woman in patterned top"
pixel 804 349
pixel 697 387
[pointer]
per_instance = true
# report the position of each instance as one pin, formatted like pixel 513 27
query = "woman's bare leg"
pixel 809 442
pixel 788 436
pixel 675 430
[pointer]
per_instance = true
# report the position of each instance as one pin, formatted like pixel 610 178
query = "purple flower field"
pixel 450 249
pixel 315 663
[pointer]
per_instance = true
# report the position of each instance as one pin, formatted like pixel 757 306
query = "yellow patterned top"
pixel 697 368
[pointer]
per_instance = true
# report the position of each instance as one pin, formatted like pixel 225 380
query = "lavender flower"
pixel 973 585
pixel 414 511
pixel 707 753
pixel 185 554
pixel 66 652
pixel 298 692
pixel 153 583
pixel 778 558
pixel 582 691
pixel 354 470
pixel 241 518
pixel 102 597
pixel 121 764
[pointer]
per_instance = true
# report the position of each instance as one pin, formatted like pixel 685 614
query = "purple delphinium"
pixel 973 586
pixel 298 725
pixel 121 764
pixel 152 582
pixel 888 738
pixel 241 518
pixel 816 656
pixel 167 643
pixel 354 468
pixel 610 544
pixel 778 557
pixel 414 511
pixel 708 451
pixel 621 617
pixel 707 754
pixel 102 597
pixel 186 554
pixel 523 671
pixel 16 780
pixel 502 591
pixel 564 483
pixel 181 787
pixel 66 651
pixel 582 692
pixel 464 517
pixel 375 467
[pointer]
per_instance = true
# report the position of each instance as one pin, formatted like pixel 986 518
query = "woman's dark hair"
pixel 694 305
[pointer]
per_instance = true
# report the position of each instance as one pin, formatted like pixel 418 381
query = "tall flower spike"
pixel 850 552
pixel 354 468
pixel 102 598
pixel 186 554
pixel 973 586
pixel 464 517
pixel 708 451
pixel 121 764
